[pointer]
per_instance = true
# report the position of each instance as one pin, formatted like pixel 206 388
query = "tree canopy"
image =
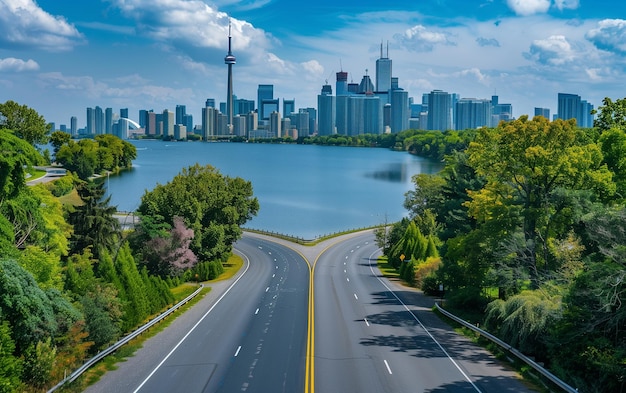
pixel 25 122
pixel 212 205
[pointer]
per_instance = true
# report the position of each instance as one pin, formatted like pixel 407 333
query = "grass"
pixel 35 174
pixel 387 269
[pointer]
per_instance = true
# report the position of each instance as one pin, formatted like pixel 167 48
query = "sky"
pixel 60 57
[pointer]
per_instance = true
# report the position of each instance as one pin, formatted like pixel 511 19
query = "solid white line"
pixel 238 349
pixel 421 324
pixel 388 369
pixel 195 326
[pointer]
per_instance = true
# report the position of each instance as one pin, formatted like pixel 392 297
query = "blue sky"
pixel 59 57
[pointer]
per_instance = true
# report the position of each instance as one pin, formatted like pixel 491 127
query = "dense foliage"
pixel 531 222
pixel 71 282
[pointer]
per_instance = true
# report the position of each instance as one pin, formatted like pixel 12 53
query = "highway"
pixel 375 336
pixel 310 319
pixel 250 337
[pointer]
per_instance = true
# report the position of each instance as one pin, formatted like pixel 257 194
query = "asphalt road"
pixel 250 337
pixel 372 335
pixel 271 330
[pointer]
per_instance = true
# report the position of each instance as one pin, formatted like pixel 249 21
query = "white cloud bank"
pixel 23 24
pixel 11 64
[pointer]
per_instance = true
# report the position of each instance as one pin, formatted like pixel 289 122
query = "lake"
pixel 305 191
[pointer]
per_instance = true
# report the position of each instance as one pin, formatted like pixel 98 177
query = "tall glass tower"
pixel 383 71
pixel 229 60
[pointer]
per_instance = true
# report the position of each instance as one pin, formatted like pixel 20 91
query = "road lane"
pixel 368 340
pixel 264 329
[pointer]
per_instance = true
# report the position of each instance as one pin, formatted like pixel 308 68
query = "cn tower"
pixel 230 60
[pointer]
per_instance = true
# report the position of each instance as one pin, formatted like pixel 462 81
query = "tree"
pixel 612 114
pixel 16 155
pixel 58 139
pixel 213 205
pixel 25 122
pixel 524 162
pixel 10 365
pixel 93 221
pixel 169 255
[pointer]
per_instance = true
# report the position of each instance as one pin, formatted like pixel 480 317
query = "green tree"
pixel 58 139
pixel 524 162
pixel 213 205
pixel 612 114
pixel 93 221
pixel 25 122
pixel 10 365
pixel 16 155
pixel 38 363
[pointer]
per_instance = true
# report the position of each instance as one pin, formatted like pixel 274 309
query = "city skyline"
pixel 60 58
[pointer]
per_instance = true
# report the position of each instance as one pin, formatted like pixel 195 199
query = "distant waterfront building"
pixel 91 122
pixel 210 103
pixel 545 112
pixel 399 117
pixel 264 92
pixel 571 106
pixel 208 122
pixel 99 120
pixel 73 126
pixel 243 106
pixel 143 115
pixel 383 71
pixel 341 86
pixel 268 106
pixel 326 107
pixel 356 114
pixel 181 111
pixel 289 107
pixel 472 113
pixel 151 123
pixel 341 114
pixel 439 111
pixel 180 132
pixel 108 121
pixel 239 125
pixel 124 113
pixel 252 122
pixel 169 120
pixel 366 85
pixel 372 115
pixel 275 123
pixel 500 112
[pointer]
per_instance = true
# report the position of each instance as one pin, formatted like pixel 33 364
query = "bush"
pixel 426 269
pixel 61 186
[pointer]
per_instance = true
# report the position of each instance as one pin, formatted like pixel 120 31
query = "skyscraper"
pixel 265 93
pixel 571 106
pixel 99 119
pixel 439 111
pixel 229 60
pixel 108 121
pixel 545 112
pixel 399 119
pixel 289 107
pixel 383 71
pixel 326 111
pixel 181 111
pixel 472 113
pixel 74 125
pixel 341 85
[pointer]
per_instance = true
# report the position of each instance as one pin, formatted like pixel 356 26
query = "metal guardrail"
pixel 101 355
pixel 554 379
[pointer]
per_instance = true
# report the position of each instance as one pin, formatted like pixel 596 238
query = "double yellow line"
pixel 309 380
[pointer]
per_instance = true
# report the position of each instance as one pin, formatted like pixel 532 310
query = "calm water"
pixel 305 191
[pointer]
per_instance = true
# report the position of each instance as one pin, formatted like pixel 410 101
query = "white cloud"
pixel 419 39
pixel 610 35
pixel 566 4
pixel 555 50
pixel 11 64
pixel 190 24
pixel 529 7
pixel 23 24
pixel 313 68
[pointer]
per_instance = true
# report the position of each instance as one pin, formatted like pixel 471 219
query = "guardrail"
pixel 101 355
pixel 548 375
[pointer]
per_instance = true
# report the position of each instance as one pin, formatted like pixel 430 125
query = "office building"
pixel 571 106
pixel 545 112
pixel 169 120
pixel 252 122
pixel 243 106
pixel 341 114
pixel 366 86
pixel 275 123
pixel 268 106
pixel 91 122
pixel 108 121
pixel 383 71
pixel 326 111
pixel 264 92
pixel 372 115
pixel 341 85
pixel 124 113
pixel 500 112
pixel 99 120
pixel 208 122
pixel 399 117
pixel 472 113
pixel 289 107
pixel 180 132
pixel 181 111
pixel 210 103
pixel 151 123
pixel 439 111
pixel 73 126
